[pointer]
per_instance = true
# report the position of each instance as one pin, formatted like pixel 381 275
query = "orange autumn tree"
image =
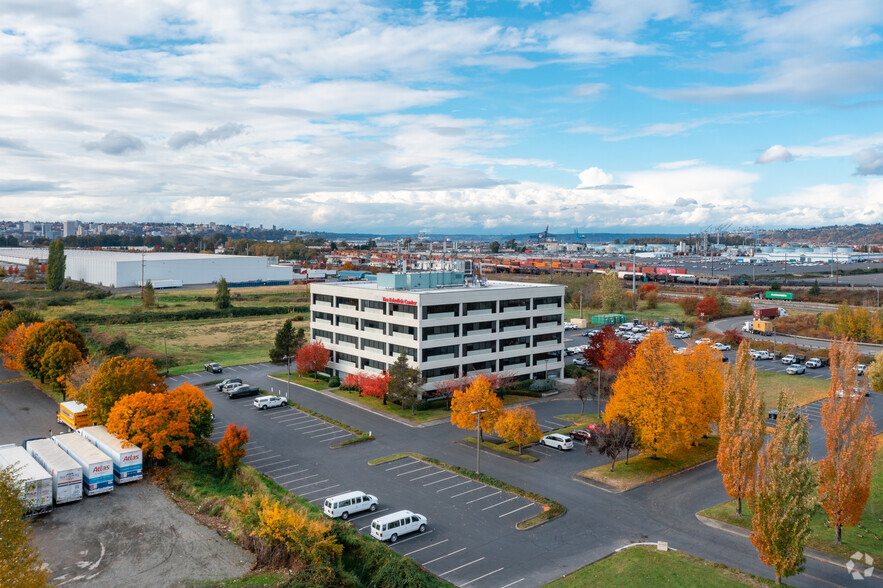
pixel 117 377
pixel 12 346
pixel 518 425
pixel 157 423
pixel 197 406
pixel 479 395
pixel 59 360
pixel 659 393
pixel 742 427
pixel 845 472
pixel 231 449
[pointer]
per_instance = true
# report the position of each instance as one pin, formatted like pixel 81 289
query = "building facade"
pixel 449 325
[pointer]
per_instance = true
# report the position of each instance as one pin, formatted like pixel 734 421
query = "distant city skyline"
pixel 648 116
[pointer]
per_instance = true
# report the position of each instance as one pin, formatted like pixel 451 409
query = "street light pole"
pixel 478 413
pixel 288 391
pixel 599 392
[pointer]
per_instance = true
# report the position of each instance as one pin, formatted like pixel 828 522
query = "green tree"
pixel 55 266
pixel 148 298
pixel 37 344
pixel 404 382
pixel 611 293
pixel 58 361
pixel 222 295
pixel 287 342
pixel 20 564
pixel 495 246
pixel 783 496
pixel 815 290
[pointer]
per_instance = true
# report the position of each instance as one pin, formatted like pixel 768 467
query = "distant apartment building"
pixel 70 228
pixel 447 323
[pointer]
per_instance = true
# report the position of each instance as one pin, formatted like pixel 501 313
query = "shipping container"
pixel 36 482
pixel 126 456
pixel 74 414
pixel 778 295
pixel 96 465
pixel 765 327
pixel 768 312
pixel 67 475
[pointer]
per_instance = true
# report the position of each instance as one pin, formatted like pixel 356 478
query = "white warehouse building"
pixel 122 269
pixel 448 324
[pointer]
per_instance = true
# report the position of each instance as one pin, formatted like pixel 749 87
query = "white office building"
pixel 447 323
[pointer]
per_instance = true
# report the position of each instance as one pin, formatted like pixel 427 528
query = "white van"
pixel 392 526
pixel 343 505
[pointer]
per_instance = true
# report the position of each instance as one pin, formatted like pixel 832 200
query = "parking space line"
pixel 306 424
pixel 283 468
pixel 402 465
pixel 297 480
pixel 260 452
pixel 483 497
pixel 185 376
pixel 363 528
pixel 499 503
pixel 306 485
pixel 321 490
pixel 379 510
pixel 311 426
pixel 444 556
pixel 516 510
pixel 454 486
pixel 317 430
pixel 324 434
pixel 427 475
pixel 412 471
pixel 261 459
pixel 319 499
pixel 461 567
pixel 338 437
pixel 511 583
pixel 483 577
pixel 295 419
pixel 437 481
pixel 467 492
pixel 288 414
pixel 426 547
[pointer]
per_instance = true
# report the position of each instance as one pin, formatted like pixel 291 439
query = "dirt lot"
pixel 133 536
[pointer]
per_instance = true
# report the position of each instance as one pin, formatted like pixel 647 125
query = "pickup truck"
pixel 265 402
pixel 789 359
pixel 816 362
pixel 228 382
pixel 761 354
pixel 213 368
pixel 243 390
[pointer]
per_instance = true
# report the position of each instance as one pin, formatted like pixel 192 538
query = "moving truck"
pixel 36 491
pixel 97 467
pixel 126 456
pixel 763 327
pixel 67 475
pixel 74 414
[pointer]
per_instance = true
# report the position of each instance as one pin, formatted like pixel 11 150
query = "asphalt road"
pixel 475 543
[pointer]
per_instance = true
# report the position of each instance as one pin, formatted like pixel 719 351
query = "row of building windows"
pixel 439 332
pixel 437 311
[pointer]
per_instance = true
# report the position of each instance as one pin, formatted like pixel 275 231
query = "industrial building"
pixel 122 269
pixel 449 324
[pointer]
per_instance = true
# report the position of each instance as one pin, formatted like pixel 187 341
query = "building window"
pixel 348 341
pixel 474 308
pixel 322 335
pixel 374 306
pixel 483 328
pixel 549 320
pixel 403 310
pixel 396 350
pixel 443 373
pixel 347 359
pixel 515 305
pixel 443 332
pixel 482 348
pixel 376 327
pixel 439 353
pixel 347 303
pixel 402 331
pixel 323 300
pixel 547 340
pixel 508 325
pixel 513 363
pixel 547 302
pixel 347 321
pixel 481 367
pixel 437 311
pixel 376 346
pixel 325 318
pixel 544 358
pixel 514 343
pixel 374 367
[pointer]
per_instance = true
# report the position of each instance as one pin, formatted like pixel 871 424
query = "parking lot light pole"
pixel 288 391
pixel 599 391
pixel 478 413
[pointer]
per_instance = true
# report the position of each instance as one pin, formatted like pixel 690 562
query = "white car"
pixel 860 368
pixel 569 326
pixel 265 402
pixel 343 505
pixel 580 361
pixel 562 442
pixel 391 526
pixel 722 347
pixel 703 341
pixel 789 359
pixel 761 354
pixel 681 335
pixel 574 350
pixel 796 368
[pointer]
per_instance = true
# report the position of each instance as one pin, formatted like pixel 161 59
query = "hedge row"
pixel 83 318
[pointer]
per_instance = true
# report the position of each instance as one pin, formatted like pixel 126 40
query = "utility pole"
pixel 634 269
pixel 478 413
pixel 165 350
pixel 581 302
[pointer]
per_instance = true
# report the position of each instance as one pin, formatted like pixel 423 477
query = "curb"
pixel 614 490
pixel 808 552
pixel 483 449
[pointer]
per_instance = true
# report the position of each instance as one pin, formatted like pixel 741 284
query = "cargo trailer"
pixel 36 483
pixel 126 456
pixel 67 475
pixel 96 465
pixel 74 414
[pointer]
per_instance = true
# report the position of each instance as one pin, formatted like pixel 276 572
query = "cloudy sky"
pixel 484 116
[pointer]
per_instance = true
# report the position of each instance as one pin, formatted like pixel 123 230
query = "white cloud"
pixel 870 162
pixel 588 90
pixel 774 154
pixel 678 164
pixel 594 176
pixel 591 130
pixel 115 143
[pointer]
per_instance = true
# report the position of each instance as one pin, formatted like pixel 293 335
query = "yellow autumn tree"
pixel 701 378
pixel 518 425
pixel 479 395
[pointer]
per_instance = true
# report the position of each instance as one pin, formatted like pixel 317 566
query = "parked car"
pixel 243 390
pixel 558 441
pixel 639 329
pixel 343 505
pixel 681 334
pixel 213 368
pixel 390 527
pixel 860 368
pixel 583 434
pixel 761 354
pixel 265 402
pixel 702 341
pixel 580 361
pixel 796 368
pixel 857 392
pixel 224 383
pixel 789 359
pixel 234 382
pixel 569 326
pixel 722 347
pixel 813 362
pixel 774 415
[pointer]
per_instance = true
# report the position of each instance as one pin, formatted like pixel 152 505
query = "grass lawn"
pixel 664 310
pixel 308 382
pixel 642 469
pixel 645 566
pixel 580 419
pixel 805 389
pixel 865 538
pixel 504 447
pixel 191 344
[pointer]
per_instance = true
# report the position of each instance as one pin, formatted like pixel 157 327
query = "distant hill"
pixel 837 234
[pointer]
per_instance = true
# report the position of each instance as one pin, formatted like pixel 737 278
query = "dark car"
pixel 774 415
pixel 213 368
pixel 220 386
pixel 243 390
pixel 583 434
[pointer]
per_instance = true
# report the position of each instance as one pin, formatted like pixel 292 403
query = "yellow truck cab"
pixel 74 414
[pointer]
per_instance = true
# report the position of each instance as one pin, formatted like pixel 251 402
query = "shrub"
pixel 542 386
pixel 732 337
pixel 334 382
pixel 574 371
pixel 689 305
